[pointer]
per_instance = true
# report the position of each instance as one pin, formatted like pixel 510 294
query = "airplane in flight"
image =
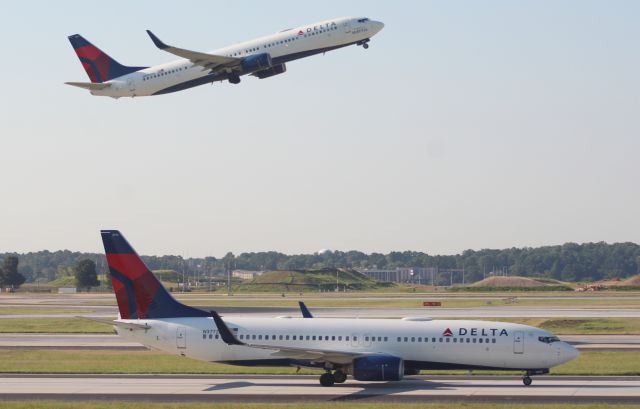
pixel 365 349
pixel 263 57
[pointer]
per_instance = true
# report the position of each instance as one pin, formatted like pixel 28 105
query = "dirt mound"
pixel 635 280
pixel 514 282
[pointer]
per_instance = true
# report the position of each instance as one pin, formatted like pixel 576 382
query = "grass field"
pixel 149 362
pixel 41 310
pixel 37 404
pixel 53 325
pixel 560 326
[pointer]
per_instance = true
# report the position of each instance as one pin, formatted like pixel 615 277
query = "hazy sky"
pixel 467 124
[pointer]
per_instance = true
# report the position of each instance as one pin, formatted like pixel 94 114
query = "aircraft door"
pixel 131 84
pixel 346 27
pixel 181 338
pixel 518 342
pixel 356 340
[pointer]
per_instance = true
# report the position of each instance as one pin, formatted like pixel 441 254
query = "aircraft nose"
pixel 377 26
pixel 569 352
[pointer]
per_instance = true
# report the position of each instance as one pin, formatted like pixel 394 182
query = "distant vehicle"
pixel 263 57
pixel 366 349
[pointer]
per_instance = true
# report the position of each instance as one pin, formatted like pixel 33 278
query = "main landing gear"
pixel 234 78
pixel 526 380
pixel 329 379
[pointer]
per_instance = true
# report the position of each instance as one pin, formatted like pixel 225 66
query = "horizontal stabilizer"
pixel 91 86
pixel 124 325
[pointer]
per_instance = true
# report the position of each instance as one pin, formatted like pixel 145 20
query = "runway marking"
pixel 286 388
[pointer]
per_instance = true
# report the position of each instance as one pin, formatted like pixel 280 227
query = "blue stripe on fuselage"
pixel 221 77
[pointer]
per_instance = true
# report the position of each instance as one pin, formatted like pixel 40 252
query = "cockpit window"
pixel 548 340
pixel 363 20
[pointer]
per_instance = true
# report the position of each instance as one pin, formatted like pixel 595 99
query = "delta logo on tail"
pixel 447 333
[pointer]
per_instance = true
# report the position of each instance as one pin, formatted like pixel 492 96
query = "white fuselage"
pixel 423 344
pixel 282 47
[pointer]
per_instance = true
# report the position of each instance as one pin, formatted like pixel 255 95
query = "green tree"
pixel 9 276
pixel 86 276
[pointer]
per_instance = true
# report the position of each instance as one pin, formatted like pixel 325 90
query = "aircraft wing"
pixel 286 351
pixel 207 61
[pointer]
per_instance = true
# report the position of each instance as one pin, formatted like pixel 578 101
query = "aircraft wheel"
pixel 365 46
pixel 526 380
pixel 327 379
pixel 339 377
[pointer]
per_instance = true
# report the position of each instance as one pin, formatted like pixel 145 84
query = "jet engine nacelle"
pixel 275 70
pixel 257 62
pixel 378 368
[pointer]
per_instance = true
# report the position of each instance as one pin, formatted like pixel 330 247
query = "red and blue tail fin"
pixel 138 292
pixel 98 65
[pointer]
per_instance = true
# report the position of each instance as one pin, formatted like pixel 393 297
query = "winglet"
pixel 305 311
pixel 225 332
pixel 157 41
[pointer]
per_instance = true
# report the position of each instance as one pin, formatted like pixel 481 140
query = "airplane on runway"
pixel 263 57
pixel 366 349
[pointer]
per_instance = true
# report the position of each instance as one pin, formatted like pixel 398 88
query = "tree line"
pixel 567 262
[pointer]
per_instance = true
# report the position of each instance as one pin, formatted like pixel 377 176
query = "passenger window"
pixel 455 340
pixel 413 339
pixel 474 341
pixel 313 338
pixel 355 338
pixel 399 339
pixel 280 337
pixel 216 336
pixel 433 340
pixel 333 337
pixel 294 337
pixel 346 338
pixel 386 339
pixel 440 339
pixel 406 339
pixel 287 337
pixel 419 339
pixel 448 339
pixel 339 337
pixel 253 336
pixel 366 338
pixel 307 337
pixel 326 337
pixel 493 341
pixel 468 340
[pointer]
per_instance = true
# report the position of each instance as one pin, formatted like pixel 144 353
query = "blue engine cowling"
pixel 257 62
pixel 378 368
pixel 275 70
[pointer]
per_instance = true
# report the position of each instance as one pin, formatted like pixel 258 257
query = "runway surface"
pixel 306 388
pixel 109 341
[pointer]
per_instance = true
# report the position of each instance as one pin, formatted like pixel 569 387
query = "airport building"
pixel 246 274
pixel 416 275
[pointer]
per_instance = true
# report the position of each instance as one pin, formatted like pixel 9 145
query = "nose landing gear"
pixel 364 43
pixel 526 380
